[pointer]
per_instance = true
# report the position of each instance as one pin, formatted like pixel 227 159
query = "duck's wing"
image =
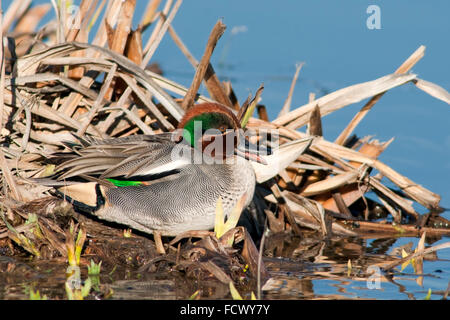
pixel 128 157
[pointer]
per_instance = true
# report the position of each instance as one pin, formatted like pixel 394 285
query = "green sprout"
pixel 195 295
pixel 428 297
pixel 35 295
pixel 127 233
pixel 94 268
pixel 221 227
pixel 251 107
pixel 236 295
pixel 74 248
pixel 74 293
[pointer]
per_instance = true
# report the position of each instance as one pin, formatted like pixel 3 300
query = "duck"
pixel 163 184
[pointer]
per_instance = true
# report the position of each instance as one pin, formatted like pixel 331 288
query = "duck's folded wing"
pixel 134 156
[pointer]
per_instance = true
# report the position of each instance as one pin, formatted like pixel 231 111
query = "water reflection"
pixel 316 268
pixel 307 267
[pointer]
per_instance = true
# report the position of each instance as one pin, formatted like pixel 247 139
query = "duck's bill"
pixel 250 152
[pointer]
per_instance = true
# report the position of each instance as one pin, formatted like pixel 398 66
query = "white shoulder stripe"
pixel 172 165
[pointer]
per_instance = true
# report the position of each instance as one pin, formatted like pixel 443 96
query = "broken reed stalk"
pixel 78 31
pixel 351 193
pixel 287 104
pixel 140 76
pixel 74 29
pixel 7 174
pixel 111 16
pixel 99 101
pixel 154 43
pixel 60 10
pixel 15 9
pixel 404 68
pixel 262 112
pixel 151 46
pixel 260 255
pixel 33 16
pixel 117 39
pixel 2 72
pixel 150 14
pixel 433 90
pixel 339 154
pixel 216 89
pixel 94 16
pixel 315 122
pixel 159 24
pixel 216 33
pixel 212 82
pixel 415 255
pixel 180 44
pixel 342 98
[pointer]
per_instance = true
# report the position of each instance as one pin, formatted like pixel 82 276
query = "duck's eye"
pixel 223 128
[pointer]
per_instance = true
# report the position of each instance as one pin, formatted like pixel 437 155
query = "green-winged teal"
pixel 165 183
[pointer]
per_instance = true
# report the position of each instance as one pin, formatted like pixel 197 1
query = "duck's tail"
pixel 87 197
